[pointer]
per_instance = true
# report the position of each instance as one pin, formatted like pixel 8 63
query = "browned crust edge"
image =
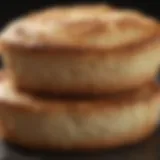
pixel 132 48
pixel 152 30
pixel 44 103
pixel 133 138
pixel 120 87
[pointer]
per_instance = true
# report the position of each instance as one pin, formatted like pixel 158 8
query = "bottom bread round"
pixel 38 122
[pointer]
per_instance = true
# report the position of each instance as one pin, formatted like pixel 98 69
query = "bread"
pixel 81 50
pixel 38 122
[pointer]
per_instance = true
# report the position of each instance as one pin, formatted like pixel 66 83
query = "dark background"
pixel 10 9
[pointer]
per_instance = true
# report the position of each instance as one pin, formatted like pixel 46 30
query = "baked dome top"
pixel 83 26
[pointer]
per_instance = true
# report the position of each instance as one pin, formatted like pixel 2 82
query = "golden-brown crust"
pixel 134 135
pixel 86 90
pixel 133 138
pixel 81 50
pixel 39 102
pixel 90 73
pixel 72 123
pixel 85 29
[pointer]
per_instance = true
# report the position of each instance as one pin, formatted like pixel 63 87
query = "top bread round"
pixel 89 27
pixel 81 49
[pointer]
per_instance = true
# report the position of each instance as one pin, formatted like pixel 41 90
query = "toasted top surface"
pixel 85 26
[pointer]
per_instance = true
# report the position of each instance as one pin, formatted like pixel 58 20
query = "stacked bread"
pixel 80 77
